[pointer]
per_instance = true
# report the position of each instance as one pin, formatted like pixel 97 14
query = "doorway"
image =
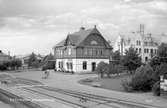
pixel 93 66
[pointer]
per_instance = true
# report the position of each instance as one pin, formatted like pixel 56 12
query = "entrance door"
pixel 93 66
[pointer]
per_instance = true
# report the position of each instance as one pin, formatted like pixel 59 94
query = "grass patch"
pixel 113 83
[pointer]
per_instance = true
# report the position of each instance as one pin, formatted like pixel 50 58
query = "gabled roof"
pixel 77 37
pixel 61 43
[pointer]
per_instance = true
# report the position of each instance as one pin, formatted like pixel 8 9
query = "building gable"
pixel 95 39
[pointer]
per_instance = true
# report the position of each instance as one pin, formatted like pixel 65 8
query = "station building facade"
pixel 82 51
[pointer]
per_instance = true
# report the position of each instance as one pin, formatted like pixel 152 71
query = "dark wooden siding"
pixel 63 52
pixel 94 37
pixel 92 52
pixel 93 47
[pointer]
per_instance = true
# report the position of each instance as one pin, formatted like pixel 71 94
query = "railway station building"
pixel 81 51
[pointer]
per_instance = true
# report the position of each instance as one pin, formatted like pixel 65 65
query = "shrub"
pixel 142 80
pixel 102 68
pixel 3 67
pixel 156 88
pixel 115 69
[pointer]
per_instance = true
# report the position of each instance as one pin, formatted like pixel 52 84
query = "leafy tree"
pixel 32 60
pixel 162 50
pixel 116 56
pixel 18 63
pixel 131 60
pixel 160 70
pixel 13 64
pixel 102 68
pixel 154 62
pixel 158 62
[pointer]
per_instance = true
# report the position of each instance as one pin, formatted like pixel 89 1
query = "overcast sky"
pixel 37 25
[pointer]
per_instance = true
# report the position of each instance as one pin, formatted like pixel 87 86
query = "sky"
pixel 37 25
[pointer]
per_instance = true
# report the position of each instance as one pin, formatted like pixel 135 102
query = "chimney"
pixel 82 28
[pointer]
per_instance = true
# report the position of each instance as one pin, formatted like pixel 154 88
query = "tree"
pixel 116 56
pixel 102 68
pixel 161 57
pixel 14 64
pixel 154 62
pixel 32 60
pixel 131 59
pixel 162 50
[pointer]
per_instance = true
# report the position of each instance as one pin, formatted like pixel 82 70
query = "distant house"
pixel 82 51
pixel 4 57
pixel 25 59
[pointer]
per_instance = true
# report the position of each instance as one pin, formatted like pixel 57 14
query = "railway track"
pixel 102 98
pixel 17 101
pixel 85 100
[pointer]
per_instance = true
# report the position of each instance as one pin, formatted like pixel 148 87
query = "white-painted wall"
pixel 78 64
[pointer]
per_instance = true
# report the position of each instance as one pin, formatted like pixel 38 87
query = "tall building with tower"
pixel 82 51
pixel 144 43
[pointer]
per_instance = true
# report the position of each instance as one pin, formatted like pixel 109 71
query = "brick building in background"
pixel 144 43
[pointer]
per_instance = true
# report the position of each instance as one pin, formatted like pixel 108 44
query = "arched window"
pixel 146 59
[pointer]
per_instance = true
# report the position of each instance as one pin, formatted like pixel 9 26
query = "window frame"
pixel 84 65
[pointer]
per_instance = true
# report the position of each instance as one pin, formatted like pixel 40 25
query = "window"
pixel 96 51
pixel 151 51
pixel 101 52
pixel 61 52
pixel 59 64
pixel 138 42
pixel 90 52
pixel 84 65
pixel 136 49
pixel 146 59
pixel 85 51
pixel 145 50
pixel 69 66
pixel 139 50
pixel 69 51
pixel 155 51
